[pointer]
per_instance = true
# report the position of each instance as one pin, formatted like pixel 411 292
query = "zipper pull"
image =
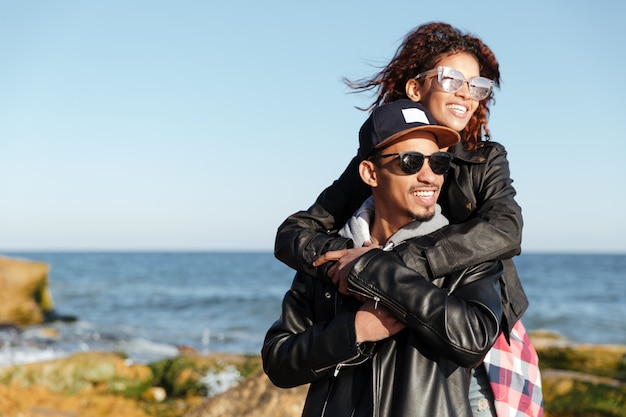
pixel 376 300
pixel 337 368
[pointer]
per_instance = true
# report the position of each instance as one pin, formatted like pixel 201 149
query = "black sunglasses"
pixel 412 162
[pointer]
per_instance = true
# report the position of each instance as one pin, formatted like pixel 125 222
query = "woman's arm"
pixel 458 315
pixel 480 195
pixel 486 219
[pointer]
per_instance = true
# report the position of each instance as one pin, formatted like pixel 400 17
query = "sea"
pixel 153 305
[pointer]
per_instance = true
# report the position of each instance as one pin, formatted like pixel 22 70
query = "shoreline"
pixel 41 347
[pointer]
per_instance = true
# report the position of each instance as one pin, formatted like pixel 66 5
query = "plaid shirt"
pixel 513 372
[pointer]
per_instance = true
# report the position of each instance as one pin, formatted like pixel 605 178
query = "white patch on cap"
pixel 414 115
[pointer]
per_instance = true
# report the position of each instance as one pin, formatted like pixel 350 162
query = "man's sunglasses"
pixel 452 80
pixel 412 162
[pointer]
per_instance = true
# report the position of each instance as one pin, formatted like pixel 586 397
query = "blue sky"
pixel 192 125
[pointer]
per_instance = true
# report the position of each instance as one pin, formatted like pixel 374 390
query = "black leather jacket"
pixel 477 197
pixel 424 370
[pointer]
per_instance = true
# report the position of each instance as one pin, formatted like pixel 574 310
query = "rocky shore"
pixel 578 380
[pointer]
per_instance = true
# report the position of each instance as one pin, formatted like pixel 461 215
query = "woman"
pixel 452 74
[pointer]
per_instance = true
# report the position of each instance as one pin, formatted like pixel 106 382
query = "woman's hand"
pixel 345 259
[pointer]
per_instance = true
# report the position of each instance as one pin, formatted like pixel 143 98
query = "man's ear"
pixel 367 170
pixel 412 89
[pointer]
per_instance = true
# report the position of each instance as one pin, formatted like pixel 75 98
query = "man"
pixel 408 349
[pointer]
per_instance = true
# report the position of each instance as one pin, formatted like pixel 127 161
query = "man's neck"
pixel 381 230
pixel 361 227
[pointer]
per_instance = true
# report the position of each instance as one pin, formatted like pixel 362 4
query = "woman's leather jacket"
pixel 477 197
pixel 423 370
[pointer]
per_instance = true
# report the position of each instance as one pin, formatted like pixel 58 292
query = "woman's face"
pixel 453 110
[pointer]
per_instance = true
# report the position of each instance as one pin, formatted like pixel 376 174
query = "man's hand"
pixel 345 259
pixel 374 322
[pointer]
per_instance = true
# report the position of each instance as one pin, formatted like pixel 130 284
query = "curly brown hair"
pixel 421 49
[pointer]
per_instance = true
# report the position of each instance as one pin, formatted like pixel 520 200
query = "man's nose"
pixel 425 174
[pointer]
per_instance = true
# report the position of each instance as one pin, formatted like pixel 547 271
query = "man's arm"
pixel 300 348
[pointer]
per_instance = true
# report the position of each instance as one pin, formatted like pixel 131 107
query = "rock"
pixel 84 384
pixel 156 394
pixel 256 396
pixel 578 380
pixel 581 379
pixel 203 375
pixel 25 298
pixel 87 372
pixel 40 402
pixel 602 360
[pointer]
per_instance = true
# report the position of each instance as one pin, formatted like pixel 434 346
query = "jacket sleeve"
pixel 299 348
pixel 306 235
pixel 460 318
pixel 493 227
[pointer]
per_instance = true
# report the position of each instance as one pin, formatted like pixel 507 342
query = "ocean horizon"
pixel 149 304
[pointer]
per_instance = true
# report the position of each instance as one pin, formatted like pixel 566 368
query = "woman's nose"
pixel 464 91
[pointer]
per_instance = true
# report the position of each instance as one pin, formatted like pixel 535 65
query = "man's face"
pixel 401 198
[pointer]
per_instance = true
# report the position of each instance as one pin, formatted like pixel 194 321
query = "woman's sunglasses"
pixel 412 162
pixel 452 80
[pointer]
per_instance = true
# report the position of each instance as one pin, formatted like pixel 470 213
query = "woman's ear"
pixel 412 89
pixel 367 170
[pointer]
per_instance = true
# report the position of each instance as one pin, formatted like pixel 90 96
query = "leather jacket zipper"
pixel 330 389
pixel 335 373
pixel 375 386
pixel 349 363
pixel 369 293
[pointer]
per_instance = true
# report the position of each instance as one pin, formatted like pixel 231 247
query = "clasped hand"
pixel 373 322
pixel 344 261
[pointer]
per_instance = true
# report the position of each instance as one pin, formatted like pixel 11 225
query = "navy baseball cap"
pixel 389 122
